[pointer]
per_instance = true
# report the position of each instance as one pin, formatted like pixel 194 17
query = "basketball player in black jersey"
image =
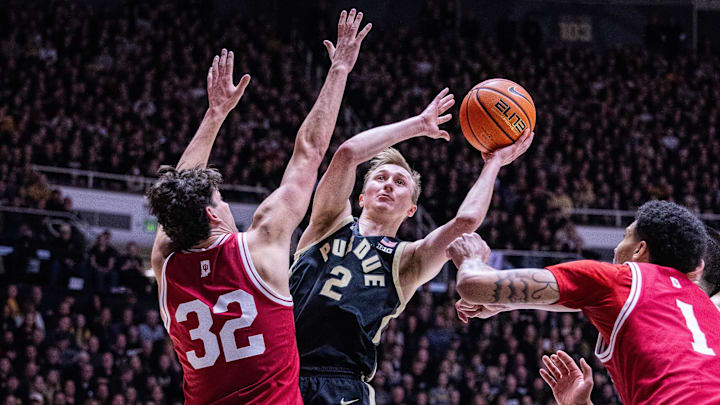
pixel 351 276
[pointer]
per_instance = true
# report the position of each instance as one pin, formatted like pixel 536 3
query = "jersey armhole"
pixel 255 277
pixel 162 295
pixel 398 289
pixel 604 350
pixel 331 231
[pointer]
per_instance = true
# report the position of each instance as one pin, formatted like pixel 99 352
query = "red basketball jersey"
pixel 234 336
pixel 659 336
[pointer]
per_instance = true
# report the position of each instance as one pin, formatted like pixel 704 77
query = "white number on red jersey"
pixel 256 344
pixel 699 343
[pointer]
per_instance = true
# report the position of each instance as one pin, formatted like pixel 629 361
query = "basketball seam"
pixel 472 131
pixel 511 99
pixel 477 97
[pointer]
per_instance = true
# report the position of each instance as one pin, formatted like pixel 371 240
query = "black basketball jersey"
pixel 345 290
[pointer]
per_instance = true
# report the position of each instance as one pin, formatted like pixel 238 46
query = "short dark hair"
pixel 711 274
pixel 178 199
pixel 675 237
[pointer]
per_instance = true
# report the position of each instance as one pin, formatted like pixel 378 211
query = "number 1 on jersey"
pixel 699 343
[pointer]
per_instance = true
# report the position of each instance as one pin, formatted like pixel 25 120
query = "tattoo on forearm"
pixel 518 286
pixel 545 283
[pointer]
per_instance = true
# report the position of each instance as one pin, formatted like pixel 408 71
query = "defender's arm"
pixel 423 259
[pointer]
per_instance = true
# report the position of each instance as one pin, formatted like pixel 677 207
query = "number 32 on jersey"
pixel 256 344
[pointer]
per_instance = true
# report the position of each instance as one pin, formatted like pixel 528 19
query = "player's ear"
pixel 641 253
pixel 696 275
pixel 212 215
pixel 412 210
pixel 361 200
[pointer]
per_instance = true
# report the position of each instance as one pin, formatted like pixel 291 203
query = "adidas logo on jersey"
pixel 204 268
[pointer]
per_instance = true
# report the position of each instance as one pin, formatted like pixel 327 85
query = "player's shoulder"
pixel 591 266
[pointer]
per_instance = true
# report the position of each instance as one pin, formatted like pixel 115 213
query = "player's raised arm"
pixel 480 284
pixel 293 196
pixel 223 96
pixel 331 203
pixel 424 258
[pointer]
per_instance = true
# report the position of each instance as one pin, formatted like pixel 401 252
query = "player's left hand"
pixel 569 385
pixel 466 310
pixel 223 95
pixel 468 246
pixel 433 116
pixel 349 40
pixel 509 153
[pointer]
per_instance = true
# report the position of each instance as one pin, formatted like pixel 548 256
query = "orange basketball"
pixel 495 113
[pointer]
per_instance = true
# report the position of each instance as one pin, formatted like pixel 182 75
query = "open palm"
pixel 433 116
pixel 569 385
pixel 223 95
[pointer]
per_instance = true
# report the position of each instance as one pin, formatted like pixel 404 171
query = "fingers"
pixel 442 94
pixel 229 64
pixel 240 89
pixel 215 68
pixel 446 103
pixel 330 48
pixel 351 18
pixel 444 118
pixel 567 362
pixel 562 362
pixel 551 367
pixel 364 32
pixel 342 22
pixel 356 22
pixel 223 62
pixel 548 379
pixel 210 78
pixel 586 370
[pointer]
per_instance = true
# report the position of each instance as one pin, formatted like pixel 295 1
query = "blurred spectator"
pixel 102 260
pixel 67 257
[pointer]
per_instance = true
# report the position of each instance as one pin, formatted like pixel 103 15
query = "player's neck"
pixel 215 234
pixel 373 226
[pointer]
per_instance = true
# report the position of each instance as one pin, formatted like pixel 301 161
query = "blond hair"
pixel 392 156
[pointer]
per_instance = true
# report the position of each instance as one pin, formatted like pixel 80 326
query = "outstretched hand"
pixel 509 153
pixel 569 385
pixel 466 310
pixel 433 116
pixel 345 54
pixel 223 95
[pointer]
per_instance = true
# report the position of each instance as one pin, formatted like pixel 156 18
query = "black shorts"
pixel 337 389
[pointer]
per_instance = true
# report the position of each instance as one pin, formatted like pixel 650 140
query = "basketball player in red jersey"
pixel 224 295
pixel 657 335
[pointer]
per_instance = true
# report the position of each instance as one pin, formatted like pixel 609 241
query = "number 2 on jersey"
pixel 256 344
pixel 341 282
pixel 699 343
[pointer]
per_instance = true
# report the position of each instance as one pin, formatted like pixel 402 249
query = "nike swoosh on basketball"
pixel 517 93
pixel 344 402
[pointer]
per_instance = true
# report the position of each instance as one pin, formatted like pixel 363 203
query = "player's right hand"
pixel 466 310
pixel 345 54
pixel 468 246
pixel 569 385
pixel 509 153
pixel 223 95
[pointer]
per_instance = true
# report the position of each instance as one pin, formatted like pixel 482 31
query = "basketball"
pixel 495 113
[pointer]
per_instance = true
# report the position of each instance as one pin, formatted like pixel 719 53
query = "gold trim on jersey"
pixel 398 289
pixel 327 234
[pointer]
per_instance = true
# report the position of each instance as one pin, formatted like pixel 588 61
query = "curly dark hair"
pixel 178 200
pixel 711 274
pixel 675 237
